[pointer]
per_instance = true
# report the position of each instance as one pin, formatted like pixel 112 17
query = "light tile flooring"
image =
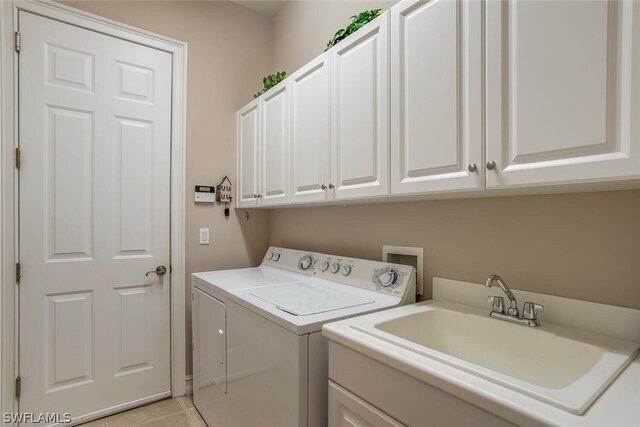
pixel 178 412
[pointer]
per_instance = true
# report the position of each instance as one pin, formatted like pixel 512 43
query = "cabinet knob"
pixel 259 196
pixel 472 167
pixel 491 165
pixel 331 186
pixel 324 187
pixel 255 196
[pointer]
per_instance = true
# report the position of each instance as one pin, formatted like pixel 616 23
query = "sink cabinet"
pixel 370 393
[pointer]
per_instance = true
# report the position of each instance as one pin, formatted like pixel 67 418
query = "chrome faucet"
pixel 530 310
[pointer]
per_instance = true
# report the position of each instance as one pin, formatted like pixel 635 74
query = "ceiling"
pixel 263 7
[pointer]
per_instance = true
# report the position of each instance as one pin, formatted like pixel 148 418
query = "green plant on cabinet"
pixel 270 81
pixel 357 22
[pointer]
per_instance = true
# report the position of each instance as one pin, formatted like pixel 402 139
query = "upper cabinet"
pixel 454 96
pixel 360 112
pixel 248 131
pixel 563 92
pixel 436 96
pixel 274 147
pixel 310 131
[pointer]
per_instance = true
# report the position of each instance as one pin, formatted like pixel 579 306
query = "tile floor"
pixel 178 412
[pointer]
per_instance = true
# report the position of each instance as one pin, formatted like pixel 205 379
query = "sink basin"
pixel 565 367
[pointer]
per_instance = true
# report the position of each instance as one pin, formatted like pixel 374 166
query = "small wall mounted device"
pixel 205 194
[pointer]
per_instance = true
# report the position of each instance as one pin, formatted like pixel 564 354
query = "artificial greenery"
pixel 357 21
pixel 270 81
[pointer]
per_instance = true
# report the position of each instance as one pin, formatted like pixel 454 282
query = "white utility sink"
pixel 565 367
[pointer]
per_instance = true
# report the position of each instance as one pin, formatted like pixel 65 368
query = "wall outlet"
pixel 204 236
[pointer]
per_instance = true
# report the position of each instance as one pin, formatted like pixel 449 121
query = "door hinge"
pixel 18 272
pixel 17 41
pixel 18 158
pixel 18 387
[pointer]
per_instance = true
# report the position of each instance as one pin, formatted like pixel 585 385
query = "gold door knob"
pixel 472 167
pixel 491 165
pixel 160 271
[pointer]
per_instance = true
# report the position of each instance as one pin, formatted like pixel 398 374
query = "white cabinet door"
pixel 274 146
pixel 248 144
pixel 310 131
pixel 209 348
pixel 348 410
pixel 360 113
pixel 436 96
pixel 563 87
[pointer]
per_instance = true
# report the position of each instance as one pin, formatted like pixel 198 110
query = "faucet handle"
pixel 497 304
pixel 531 310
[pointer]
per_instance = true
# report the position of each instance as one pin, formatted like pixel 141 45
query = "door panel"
pixel 275 146
pixel 248 144
pixel 559 102
pixel 436 96
pixel 348 410
pixel 210 351
pixel 310 130
pixel 94 218
pixel 360 126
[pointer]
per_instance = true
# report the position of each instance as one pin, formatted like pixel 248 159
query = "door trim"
pixel 9 183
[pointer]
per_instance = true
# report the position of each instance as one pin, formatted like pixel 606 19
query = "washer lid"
pixel 304 299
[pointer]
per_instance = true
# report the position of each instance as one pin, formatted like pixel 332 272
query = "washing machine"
pixel 259 358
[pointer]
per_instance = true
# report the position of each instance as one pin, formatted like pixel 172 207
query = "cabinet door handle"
pixel 324 187
pixel 472 167
pixel 331 186
pixel 491 165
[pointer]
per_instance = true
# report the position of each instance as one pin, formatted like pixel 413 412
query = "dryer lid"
pixel 304 299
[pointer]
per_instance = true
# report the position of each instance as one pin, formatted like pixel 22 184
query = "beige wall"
pixel 584 246
pixel 301 29
pixel 229 50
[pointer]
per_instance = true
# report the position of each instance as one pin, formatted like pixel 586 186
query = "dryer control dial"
pixel 335 267
pixel 387 277
pixel 276 256
pixel 324 266
pixel 346 270
pixel 305 262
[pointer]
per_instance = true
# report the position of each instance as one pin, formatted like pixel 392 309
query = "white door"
pixel 436 96
pixel 274 186
pixel 563 91
pixel 360 112
pixel 310 131
pixel 94 218
pixel 248 119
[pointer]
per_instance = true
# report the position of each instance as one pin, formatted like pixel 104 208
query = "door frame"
pixel 9 295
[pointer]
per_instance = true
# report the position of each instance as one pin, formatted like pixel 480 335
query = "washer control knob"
pixel 276 256
pixel 346 270
pixel 305 262
pixel 324 266
pixel 388 277
pixel 335 267
pixel 270 256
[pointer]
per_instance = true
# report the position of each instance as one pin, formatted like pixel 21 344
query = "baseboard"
pixel 188 380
